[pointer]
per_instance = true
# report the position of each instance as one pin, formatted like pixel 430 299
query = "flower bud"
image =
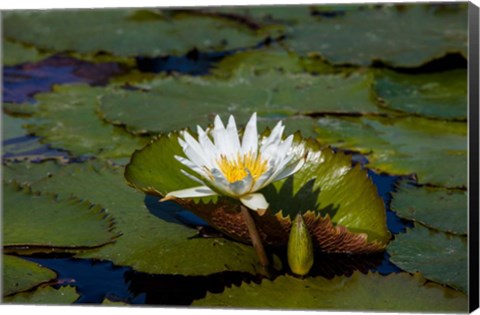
pixel 300 248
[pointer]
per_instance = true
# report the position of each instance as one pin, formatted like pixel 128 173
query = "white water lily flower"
pixel 238 170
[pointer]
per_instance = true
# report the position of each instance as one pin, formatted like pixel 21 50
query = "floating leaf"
pixel 404 145
pixel 33 220
pixel 22 275
pixel 45 295
pixel 393 34
pixel 128 32
pixel 148 243
pixel 66 119
pixel 436 95
pixel 327 183
pixel 439 256
pixel 179 102
pixel 438 208
pixel 15 53
pixel 27 173
pixel 371 292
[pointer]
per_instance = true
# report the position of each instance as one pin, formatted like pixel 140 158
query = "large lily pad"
pixel 442 209
pixel 128 32
pixel 404 35
pixel 21 275
pixel 66 119
pixel 372 292
pixel 327 183
pixel 439 256
pixel 40 221
pixel 27 173
pixel 437 95
pixel 436 151
pixel 45 295
pixel 180 102
pixel 148 243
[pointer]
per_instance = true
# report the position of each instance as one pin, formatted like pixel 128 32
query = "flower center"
pixel 238 169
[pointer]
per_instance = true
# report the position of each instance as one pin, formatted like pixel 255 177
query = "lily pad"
pixel 66 119
pixel 324 184
pixel 15 53
pixel 180 102
pixel 45 295
pixel 398 35
pixel 404 145
pixel 22 275
pixel 370 292
pixel 438 208
pixel 438 256
pixel 35 220
pixel 27 173
pixel 128 32
pixel 148 243
pixel 438 95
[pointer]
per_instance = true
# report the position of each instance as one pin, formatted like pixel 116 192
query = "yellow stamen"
pixel 235 170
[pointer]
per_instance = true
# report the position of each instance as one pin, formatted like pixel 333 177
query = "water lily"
pixel 237 169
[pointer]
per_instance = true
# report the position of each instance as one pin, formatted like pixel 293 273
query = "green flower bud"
pixel 300 248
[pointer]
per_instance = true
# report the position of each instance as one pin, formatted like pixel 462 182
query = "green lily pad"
pixel 441 209
pixel 438 256
pixel 439 95
pixel 15 54
pixel 45 295
pixel 266 15
pixel 26 173
pixel 370 292
pixel 22 275
pixel 128 32
pixel 327 183
pixel 24 110
pixel 269 59
pixel 403 35
pixel 436 151
pixel 12 127
pixel 179 102
pixel 149 242
pixel 66 119
pixel 36 220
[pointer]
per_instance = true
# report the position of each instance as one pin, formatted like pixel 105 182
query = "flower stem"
pixel 254 236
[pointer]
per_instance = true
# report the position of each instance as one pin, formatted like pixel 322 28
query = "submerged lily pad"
pixel 438 256
pixel 40 221
pixel 327 183
pixel 437 95
pixel 21 275
pixel 395 35
pixel 404 145
pixel 148 242
pixel 66 119
pixel 180 102
pixel 442 209
pixel 45 295
pixel 370 292
pixel 128 32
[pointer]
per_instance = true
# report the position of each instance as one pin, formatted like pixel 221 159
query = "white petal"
pixel 201 191
pixel 233 135
pixel 192 177
pixel 196 154
pixel 250 136
pixel 292 169
pixel 194 167
pixel 220 137
pixel 255 202
pixel 208 146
